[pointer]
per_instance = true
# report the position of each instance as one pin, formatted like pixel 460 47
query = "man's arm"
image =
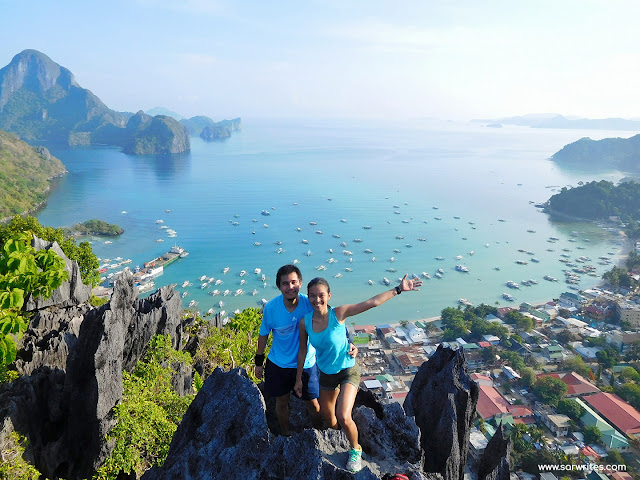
pixel 262 344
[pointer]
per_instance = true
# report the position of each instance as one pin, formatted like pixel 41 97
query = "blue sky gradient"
pixel 450 59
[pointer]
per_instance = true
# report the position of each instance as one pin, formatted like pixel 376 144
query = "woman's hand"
pixel 410 284
pixel 353 350
pixel 298 388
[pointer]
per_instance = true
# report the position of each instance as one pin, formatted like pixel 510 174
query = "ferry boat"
pixel 508 297
pixel 462 268
pixel 464 301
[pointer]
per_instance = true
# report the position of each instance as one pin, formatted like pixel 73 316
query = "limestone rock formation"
pixel 225 433
pixel 495 462
pixel 64 407
pixel 443 400
pixel 71 292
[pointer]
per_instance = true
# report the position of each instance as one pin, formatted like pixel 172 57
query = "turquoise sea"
pixel 426 189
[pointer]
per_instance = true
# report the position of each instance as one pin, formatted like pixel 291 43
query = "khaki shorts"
pixel 333 381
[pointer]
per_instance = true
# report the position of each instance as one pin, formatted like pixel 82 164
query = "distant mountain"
pixel 210 130
pixel 161 133
pixel 620 153
pixel 41 102
pixel 25 172
pixel 552 120
pixel 163 111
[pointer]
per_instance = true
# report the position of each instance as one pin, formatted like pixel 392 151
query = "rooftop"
pixel 617 411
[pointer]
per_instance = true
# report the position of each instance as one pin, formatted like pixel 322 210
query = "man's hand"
pixel 259 370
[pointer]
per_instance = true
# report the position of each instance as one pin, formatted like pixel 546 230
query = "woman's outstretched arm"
pixel 350 310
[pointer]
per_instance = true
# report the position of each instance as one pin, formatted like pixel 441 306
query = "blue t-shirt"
pixel 331 344
pixel 286 332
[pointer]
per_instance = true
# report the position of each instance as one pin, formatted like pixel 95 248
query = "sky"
pixel 448 59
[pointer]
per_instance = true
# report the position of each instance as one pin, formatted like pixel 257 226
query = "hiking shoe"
pixel 354 464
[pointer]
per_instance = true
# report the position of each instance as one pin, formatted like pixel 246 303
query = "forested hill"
pixel 24 174
pixel 619 153
pixel 598 200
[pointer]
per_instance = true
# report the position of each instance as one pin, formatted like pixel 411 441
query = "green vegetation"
pixel 149 413
pixel 599 200
pixel 81 253
pixel 619 153
pixel 23 272
pixel 95 227
pixel 571 409
pixel 550 390
pixel 592 434
pixel 470 323
pixel 150 410
pixel 12 465
pixel 24 175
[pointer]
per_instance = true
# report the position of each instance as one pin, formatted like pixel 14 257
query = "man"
pixel 280 318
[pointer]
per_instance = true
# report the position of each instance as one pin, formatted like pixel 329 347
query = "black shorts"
pixel 280 381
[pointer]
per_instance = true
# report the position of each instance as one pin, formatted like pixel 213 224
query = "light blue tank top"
pixel 331 344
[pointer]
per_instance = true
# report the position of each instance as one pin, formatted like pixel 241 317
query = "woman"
pixel 339 374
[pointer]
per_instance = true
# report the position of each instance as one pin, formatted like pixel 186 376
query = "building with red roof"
pixel 577 385
pixel 618 412
pixel 490 403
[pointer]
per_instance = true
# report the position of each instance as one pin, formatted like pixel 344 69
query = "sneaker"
pixel 354 464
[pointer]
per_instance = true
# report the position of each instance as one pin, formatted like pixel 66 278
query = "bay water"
pixel 424 190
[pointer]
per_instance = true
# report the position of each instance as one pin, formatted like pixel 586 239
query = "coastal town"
pixel 561 377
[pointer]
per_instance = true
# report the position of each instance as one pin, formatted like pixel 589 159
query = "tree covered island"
pixel 95 227
pixel 598 201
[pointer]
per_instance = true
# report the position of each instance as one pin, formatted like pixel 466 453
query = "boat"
pixel 308 254
pixel 266 213
pixel 319 232
pixel 534 260
pixel 438 275
pixel 204 285
pixel 123 212
pixel 399 237
pixel 367 227
pixel 321 268
pixel 312 223
pixel 257 270
pixel 368 250
pixel 521 262
pixel 439 258
pixel 192 303
pixel 462 268
pixel 242 273
pixel 508 297
pixel 464 301
pixel 357 240
pixel 305 241
pixel 392 259
pixel 426 275
pixel 159 221
pixel 440 271
pixel 386 281
pixel 185 284
pixel 226 292
pixel 225 270
pixel 257 244
pixel 202 278
pixel 220 304
pixel 219 282
pixel 335 235
pixel 512 284
pixel 338 275
pixel 343 220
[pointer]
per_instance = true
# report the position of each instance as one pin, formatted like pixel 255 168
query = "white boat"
pixel 305 241
pixel 308 254
pixel 184 294
pixel 220 304
pixel 438 275
pixel 462 268
pixel 512 284
pixel 338 275
pixel 386 281
pixel 202 278
pixel 464 301
pixel 392 259
pixel 263 301
pixel 185 283
pixel 368 250
pixel 219 282
pixel 243 281
pixel 373 259
pixel 370 282
pixel 123 212
pixel 215 292
pixel 242 273
pixel 508 297
pixel 440 271
pixel 226 292
pixel 367 227
pixel 238 292
pixel 192 303
pixel 343 220
pixel 254 292
pixel 321 268
pixel 439 258
pixel 204 285
pixel 426 275
pixel 159 221
pixel 225 270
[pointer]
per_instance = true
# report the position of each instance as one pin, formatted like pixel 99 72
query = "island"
pixel 609 153
pixel 95 227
